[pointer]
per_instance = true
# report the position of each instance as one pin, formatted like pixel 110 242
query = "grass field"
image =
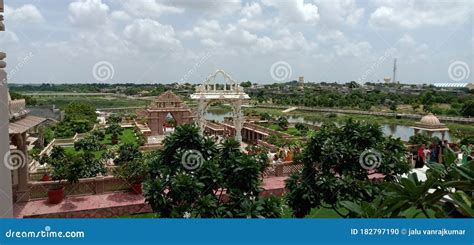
pixel 127 137
pixel 100 102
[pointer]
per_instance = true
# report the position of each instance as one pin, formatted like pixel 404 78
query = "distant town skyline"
pixel 267 41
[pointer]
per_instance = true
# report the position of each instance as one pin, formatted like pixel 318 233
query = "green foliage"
pixel 115 130
pixel 301 127
pixel 332 170
pixel 28 99
pixel 422 138
pixel 283 123
pixel 468 109
pixel 79 118
pixel 226 182
pixel 132 165
pixel 247 84
pixel 409 193
pixel 114 119
pixel 127 153
pixel 266 116
pixel 72 167
pixel 91 142
pixel 467 140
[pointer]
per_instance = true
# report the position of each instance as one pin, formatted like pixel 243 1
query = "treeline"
pixel 428 100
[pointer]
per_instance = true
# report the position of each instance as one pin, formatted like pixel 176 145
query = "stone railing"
pixel 86 186
pixel 283 169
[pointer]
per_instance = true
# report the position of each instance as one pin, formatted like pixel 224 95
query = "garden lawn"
pixel 291 130
pixel 127 137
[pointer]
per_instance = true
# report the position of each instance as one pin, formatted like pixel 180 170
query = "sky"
pixel 164 41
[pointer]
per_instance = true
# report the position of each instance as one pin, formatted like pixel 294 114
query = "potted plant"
pixel 62 167
pixel 133 172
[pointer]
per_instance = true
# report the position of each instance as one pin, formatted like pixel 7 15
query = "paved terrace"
pixel 113 204
pixel 116 204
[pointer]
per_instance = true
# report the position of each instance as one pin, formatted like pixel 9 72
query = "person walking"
pixel 421 158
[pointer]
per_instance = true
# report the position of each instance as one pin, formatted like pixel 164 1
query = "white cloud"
pixel 355 49
pixel 407 40
pixel 252 17
pixel 415 14
pixel 251 10
pixel 25 14
pixel 295 11
pixel 340 11
pixel 8 37
pixel 88 13
pixel 150 34
pixel 120 16
pixel 410 50
pixel 331 36
pixel 149 8
pixel 213 8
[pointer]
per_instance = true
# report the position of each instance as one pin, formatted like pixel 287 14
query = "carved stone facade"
pixel 155 114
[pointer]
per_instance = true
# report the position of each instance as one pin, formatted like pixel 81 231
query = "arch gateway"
pixel 230 92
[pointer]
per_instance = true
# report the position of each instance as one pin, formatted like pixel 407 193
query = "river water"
pixel 396 131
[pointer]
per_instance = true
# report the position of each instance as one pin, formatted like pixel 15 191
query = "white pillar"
pixel 6 202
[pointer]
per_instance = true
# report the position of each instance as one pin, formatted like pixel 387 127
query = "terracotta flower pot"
pixel 137 188
pixel 45 177
pixel 56 195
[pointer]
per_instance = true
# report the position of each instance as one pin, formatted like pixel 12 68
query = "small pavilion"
pixel 164 104
pixel 430 124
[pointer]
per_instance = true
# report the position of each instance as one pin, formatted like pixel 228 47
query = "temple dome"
pixel 430 119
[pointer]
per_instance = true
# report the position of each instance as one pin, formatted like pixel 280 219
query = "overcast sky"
pixel 158 41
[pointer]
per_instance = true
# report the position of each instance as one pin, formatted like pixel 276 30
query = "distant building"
pixel 301 82
pixel 470 86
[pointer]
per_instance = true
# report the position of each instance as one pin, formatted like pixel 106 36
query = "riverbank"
pixel 456 129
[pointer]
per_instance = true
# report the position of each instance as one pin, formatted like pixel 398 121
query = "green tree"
pixel 192 177
pixel 283 123
pixel 114 130
pixel 336 163
pixel 468 109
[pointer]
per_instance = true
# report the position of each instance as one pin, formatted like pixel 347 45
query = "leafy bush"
pixel 467 140
pixel 422 138
pixel 72 167
pixel 225 182
pixel 336 168
pixel 301 127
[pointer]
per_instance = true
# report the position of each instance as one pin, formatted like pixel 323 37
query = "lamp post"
pixel 6 203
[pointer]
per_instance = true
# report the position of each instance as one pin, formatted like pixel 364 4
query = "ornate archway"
pixel 164 104
pixel 229 92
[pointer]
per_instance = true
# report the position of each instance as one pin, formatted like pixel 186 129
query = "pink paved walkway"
pixel 110 204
